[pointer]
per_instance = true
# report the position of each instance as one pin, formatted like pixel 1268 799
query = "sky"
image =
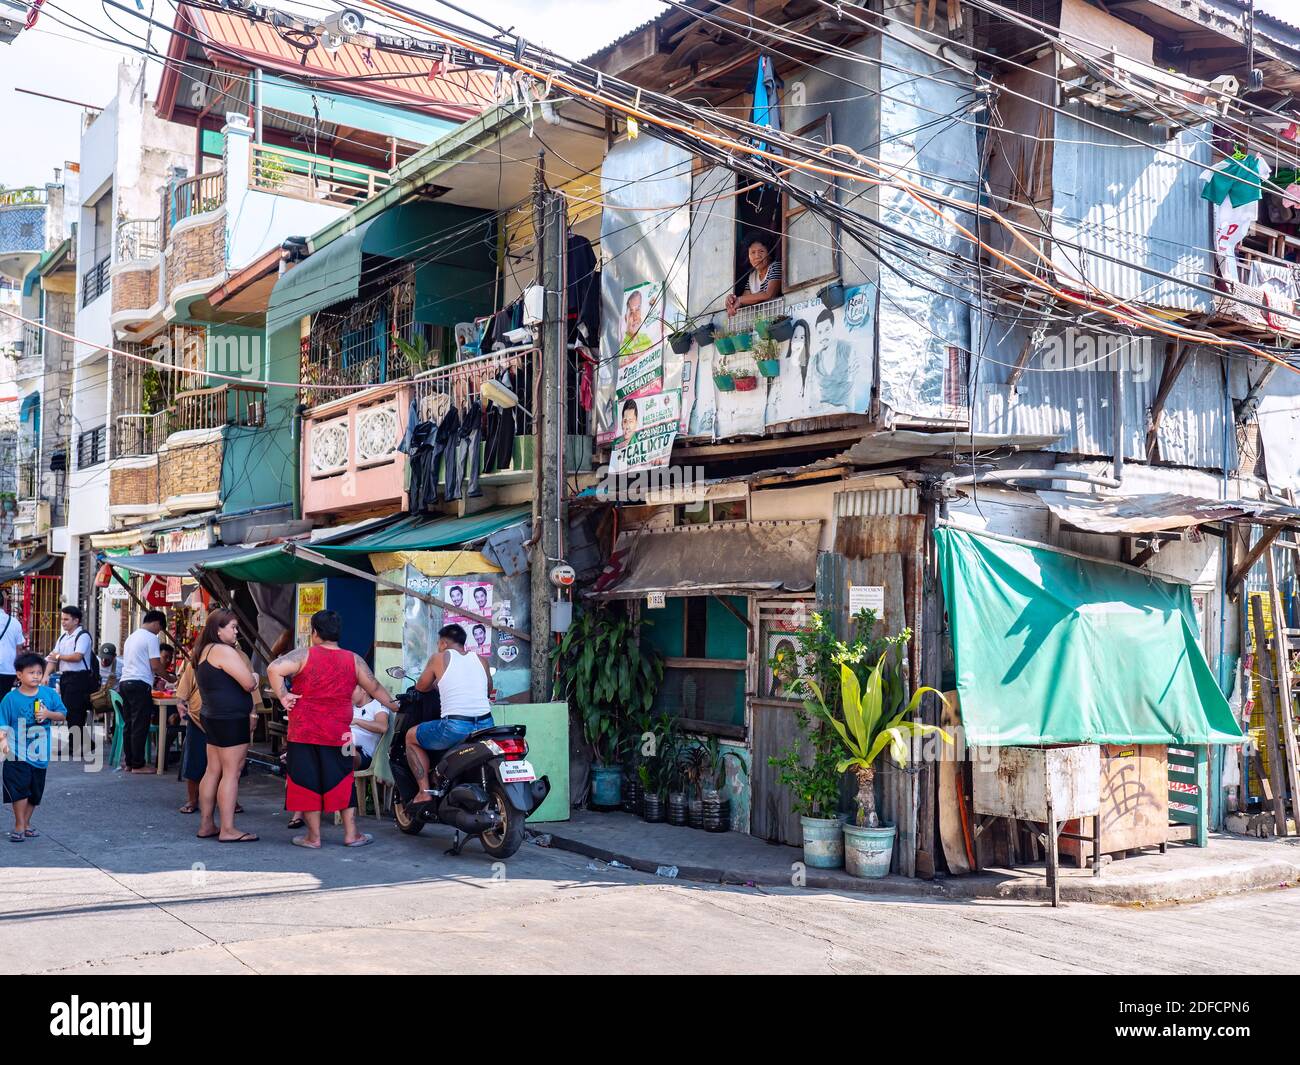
pixel 57 59
pixel 38 135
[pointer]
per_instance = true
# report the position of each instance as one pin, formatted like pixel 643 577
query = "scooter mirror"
pixel 396 672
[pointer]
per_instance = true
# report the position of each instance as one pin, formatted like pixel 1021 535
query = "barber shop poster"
pixel 647 428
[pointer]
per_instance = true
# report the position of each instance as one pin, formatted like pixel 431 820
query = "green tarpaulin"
pixel 427 532
pixel 1051 648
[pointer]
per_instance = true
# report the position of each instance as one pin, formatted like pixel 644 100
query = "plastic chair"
pixel 119 733
pixel 377 773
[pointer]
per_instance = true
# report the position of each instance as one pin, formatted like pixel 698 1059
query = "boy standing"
pixel 25 716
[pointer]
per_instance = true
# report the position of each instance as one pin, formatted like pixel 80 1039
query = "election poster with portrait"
pixel 475 596
pixel 647 428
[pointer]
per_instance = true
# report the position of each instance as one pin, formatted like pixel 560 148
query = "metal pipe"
pixel 1117 417
pixel 1029 475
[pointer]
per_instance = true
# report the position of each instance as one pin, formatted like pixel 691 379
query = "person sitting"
pixel 464 684
pixel 110 667
pixel 369 724
pixel 764 280
pixel 166 677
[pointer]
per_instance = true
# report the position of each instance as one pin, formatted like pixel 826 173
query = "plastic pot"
pixel 677 809
pixel 606 787
pixel 743 341
pixel 695 813
pixel 717 812
pixel 823 842
pixel 746 384
pixel 726 345
pixel 652 808
pixel 832 296
pixel 631 801
pixel 724 382
pixel 868 851
pixel 781 328
pixel 704 335
pixel 680 343
pixel 769 367
pixel 763 328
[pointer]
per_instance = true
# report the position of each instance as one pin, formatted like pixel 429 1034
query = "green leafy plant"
pixel 607 678
pixel 418 354
pixel 767 348
pixel 271 170
pixel 868 729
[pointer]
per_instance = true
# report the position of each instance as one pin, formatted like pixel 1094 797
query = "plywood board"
pixel 1134 801
pixel 1094 32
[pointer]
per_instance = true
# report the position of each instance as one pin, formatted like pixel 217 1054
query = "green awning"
pixel 1052 648
pixel 330 276
pixel 274 564
pixel 426 532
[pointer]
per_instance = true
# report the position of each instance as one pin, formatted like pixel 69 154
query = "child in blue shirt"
pixel 25 716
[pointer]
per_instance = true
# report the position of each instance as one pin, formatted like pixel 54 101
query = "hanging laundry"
pixel 1240 181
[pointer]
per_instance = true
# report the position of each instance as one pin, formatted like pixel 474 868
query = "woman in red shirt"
pixel 320 727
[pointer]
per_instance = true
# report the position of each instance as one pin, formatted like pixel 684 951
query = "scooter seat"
pixel 495 731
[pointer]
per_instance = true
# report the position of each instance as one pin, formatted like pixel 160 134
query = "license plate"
pixel 517 772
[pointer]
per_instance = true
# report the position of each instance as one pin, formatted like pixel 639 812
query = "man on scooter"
pixel 465 689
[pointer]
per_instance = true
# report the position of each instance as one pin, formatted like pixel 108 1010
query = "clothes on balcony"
pixel 583 284
pixel 467 458
pixel 499 431
pixel 445 453
pixel 423 490
pixel 1239 181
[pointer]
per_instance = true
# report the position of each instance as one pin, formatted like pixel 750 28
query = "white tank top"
pixel 463 686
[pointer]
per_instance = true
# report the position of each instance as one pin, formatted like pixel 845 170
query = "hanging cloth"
pixel 1240 181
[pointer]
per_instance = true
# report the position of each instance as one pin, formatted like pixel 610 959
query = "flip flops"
pixel 16 837
pixel 296 822
pixel 189 808
pixel 247 837
pixel 301 841
pixel 31 833
pixel 207 835
pixel 364 840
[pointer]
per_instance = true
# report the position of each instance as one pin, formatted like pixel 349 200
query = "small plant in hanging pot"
pixel 768 357
pixel 781 329
pixel 832 296
pixel 743 340
pixel 703 334
pixel 725 342
pixel 745 375
pixel 681 338
pixel 763 328
pixel 723 378
pixel 864 735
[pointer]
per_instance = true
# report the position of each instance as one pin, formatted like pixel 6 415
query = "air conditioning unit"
pixel 13 17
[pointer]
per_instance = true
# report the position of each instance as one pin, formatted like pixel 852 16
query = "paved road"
pixel 118 884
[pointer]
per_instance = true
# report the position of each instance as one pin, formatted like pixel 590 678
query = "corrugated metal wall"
pixel 1132 202
pixel 1077 403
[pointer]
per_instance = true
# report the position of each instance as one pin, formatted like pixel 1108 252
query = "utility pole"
pixel 549 429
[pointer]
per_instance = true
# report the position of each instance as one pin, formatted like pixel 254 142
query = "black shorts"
pixel 22 780
pixel 227 731
pixel 320 778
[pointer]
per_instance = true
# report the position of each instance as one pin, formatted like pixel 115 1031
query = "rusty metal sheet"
pixel 730 556
pixel 903 444
pixel 1159 512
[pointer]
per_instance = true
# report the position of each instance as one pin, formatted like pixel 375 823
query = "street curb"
pixel 1229 879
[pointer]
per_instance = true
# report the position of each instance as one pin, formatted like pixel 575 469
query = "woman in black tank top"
pixel 226 684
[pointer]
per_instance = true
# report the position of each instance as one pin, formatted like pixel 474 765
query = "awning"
pixel 38 563
pixel 1054 649
pixel 903 444
pixel 733 556
pixel 330 276
pixel 174 563
pixel 427 532
pixel 1160 512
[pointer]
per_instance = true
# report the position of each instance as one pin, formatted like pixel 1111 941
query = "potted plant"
pixel 781 328
pixel 743 340
pixel 417 354
pixel 704 334
pixel 681 340
pixel 745 375
pixel 606 678
pixel 763 328
pixel 723 379
pixel 717 807
pixel 832 296
pixel 652 802
pixel 871 726
pixel 725 342
pixel 768 357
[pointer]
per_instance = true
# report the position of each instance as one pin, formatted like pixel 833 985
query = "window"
pixel 811 240
pixel 705 643
pixel 702 513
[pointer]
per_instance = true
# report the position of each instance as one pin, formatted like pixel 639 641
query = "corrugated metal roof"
pixel 1076 405
pixel 1134 203
pixel 459 95
pixel 1160 512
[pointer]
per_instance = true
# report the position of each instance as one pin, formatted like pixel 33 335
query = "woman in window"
pixel 764 281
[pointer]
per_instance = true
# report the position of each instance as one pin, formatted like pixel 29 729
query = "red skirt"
pixel 320 779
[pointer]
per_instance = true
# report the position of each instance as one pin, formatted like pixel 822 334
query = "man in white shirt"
pixel 73 659
pixel 369 723
pixel 141 662
pixel 12 641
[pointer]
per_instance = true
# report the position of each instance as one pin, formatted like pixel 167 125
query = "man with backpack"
pixel 73 659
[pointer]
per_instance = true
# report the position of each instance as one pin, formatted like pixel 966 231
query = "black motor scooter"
pixel 492 786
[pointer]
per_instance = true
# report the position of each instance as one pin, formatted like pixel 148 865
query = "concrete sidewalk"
pixel 1230 864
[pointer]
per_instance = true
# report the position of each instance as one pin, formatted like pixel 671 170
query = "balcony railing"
pixel 462 382
pixel 33 341
pixel 286 172
pixel 209 408
pixel 138 238
pixel 350 456
pixel 94 282
pixel 92 447
pixel 139 434
pixel 30 196
pixel 192 196
pixel 28 476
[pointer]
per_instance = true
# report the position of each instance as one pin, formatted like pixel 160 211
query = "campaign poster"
pixel 640 375
pixel 507 644
pixel 463 597
pixel 641 326
pixel 647 429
